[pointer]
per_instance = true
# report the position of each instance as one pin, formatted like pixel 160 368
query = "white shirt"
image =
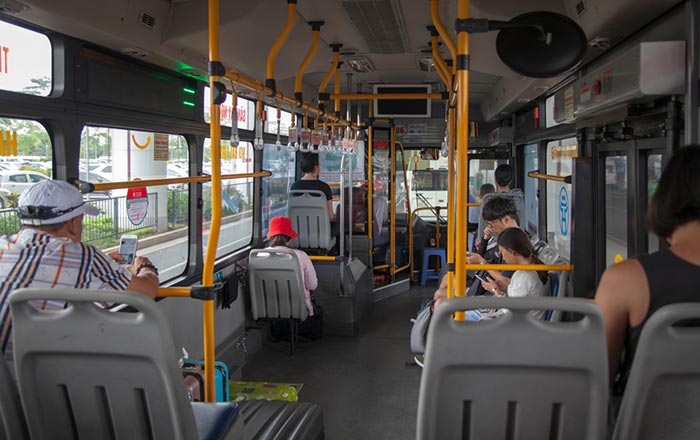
pixel 527 283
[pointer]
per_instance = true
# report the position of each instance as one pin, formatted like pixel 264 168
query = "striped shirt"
pixel 32 258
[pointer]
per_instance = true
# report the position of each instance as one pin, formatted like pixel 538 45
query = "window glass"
pixel 245 111
pixel 615 208
pixel 653 175
pixel 236 197
pixel 275 189
pixel 531 198
pixel 481 172
pixel 119 155
pixel 25 60
pixel 560 162
pixel 549 112
pixel 25 158
pixel 271 121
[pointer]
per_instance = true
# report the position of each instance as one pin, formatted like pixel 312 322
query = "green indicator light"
pixel 190 91
pixel 188 103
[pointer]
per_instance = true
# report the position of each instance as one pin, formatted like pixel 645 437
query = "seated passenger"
pixel 309 181
pixel 280 234
pixel 47 253
pixel 631 291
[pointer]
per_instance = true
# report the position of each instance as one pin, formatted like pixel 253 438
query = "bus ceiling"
pixel 174 35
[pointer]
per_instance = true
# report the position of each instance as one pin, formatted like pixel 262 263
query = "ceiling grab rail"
pixel 315 37
pixel 277 45
pixel 440 66
pixel 169 181
pixel 437 22
pixel 322 95
pixel 337 89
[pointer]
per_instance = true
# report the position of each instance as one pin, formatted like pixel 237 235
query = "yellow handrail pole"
pixel 367 96
pixel 215 73
pixel 174 292
pixel 337 89
pixel 500 267
pixel 172 180
pixel 257 86
pixel 408 206
pixel 450 201
pixel 324 258
pixel 277 45
pixel 440 66
pixel 316 36
pixel 462 153
pixel 370 179
pixel 392 209
pixel 555 178
pixel 322 96
pixel 437 22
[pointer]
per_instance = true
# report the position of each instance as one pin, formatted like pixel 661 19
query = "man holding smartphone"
pixel 48 253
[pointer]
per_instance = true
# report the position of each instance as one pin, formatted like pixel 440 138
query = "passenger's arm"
pixel 623 297
pixel 146 281
pixel 310 278
pixel 331 213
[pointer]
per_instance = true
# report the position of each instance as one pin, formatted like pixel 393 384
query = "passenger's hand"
pixel 491 286
pixel 116 256
pixel 488 232
pixel 474 258
pixel 137 262
pixel 503 284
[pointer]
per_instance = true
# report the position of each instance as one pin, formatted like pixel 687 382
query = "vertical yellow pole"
pixel 370 178
pixel 212 242
pixel 337 89
pixel 392 195
pixel 437 22
pixel 462 64
pixel 450 199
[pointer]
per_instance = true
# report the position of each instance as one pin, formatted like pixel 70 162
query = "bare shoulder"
pixel 624 284
pixel 628 272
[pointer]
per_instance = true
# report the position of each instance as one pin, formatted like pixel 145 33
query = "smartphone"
pixel 486 281
pixel 127 248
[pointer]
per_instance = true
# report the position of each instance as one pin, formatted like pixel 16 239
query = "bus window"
pixel 560 162
pixel 653 175
pixel 615 208
pixel 237 197
pixel 245 111
pixel 121 155
pixel 531 201
pixel 271 121
pixel 25 61
pixel 275 189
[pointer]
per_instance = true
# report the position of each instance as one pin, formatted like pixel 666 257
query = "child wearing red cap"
pixel 280 234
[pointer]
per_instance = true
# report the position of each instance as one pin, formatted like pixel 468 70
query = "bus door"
pixel 628 174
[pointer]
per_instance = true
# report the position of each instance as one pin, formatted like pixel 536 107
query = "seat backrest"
pixel 308 211
pixel 86 372
pixel 276 285
pixel 517 197
pixel 514 376
pixel 12 423
pixel 662 396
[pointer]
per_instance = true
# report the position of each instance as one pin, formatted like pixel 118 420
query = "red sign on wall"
pixel 137 204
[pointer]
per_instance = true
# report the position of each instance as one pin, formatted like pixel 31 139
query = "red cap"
pixel 281 226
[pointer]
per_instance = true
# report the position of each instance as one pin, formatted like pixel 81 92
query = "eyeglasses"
pixel 43 212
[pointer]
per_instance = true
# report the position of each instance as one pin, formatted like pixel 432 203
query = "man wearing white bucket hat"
pixel 48 253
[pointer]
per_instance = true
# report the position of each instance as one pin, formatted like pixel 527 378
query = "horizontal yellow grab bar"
pixel 325 258
pixel 170 181
pixel 366 96
pixel 180 292
pixel 499 267
pixel 537 175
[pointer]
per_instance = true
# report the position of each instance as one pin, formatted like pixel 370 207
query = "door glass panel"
pixel 615 208
pixel 653 175
pixel 531 208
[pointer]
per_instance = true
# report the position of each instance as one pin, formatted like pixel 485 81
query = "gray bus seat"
pixel 514 376
pixel 517 197
pixel 662 396
pixel 12 423
pixel 278 420
pixel 277 288
pixel 308 211
pixel 85 372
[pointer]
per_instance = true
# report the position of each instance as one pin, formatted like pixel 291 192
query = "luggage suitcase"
pixel 220 374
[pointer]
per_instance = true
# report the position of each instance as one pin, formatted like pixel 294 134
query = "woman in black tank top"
pixel 631 291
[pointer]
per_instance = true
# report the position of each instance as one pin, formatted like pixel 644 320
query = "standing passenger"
pixel 631 291
pixel 280 234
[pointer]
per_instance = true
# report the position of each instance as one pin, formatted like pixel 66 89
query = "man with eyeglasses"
pixel 47 252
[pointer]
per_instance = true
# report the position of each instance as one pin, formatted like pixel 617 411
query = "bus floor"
pixel 367 386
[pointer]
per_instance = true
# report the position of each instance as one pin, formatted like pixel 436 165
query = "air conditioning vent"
pixel 147 20
pixel 380 23
pixel 580 8
pixel 135 52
